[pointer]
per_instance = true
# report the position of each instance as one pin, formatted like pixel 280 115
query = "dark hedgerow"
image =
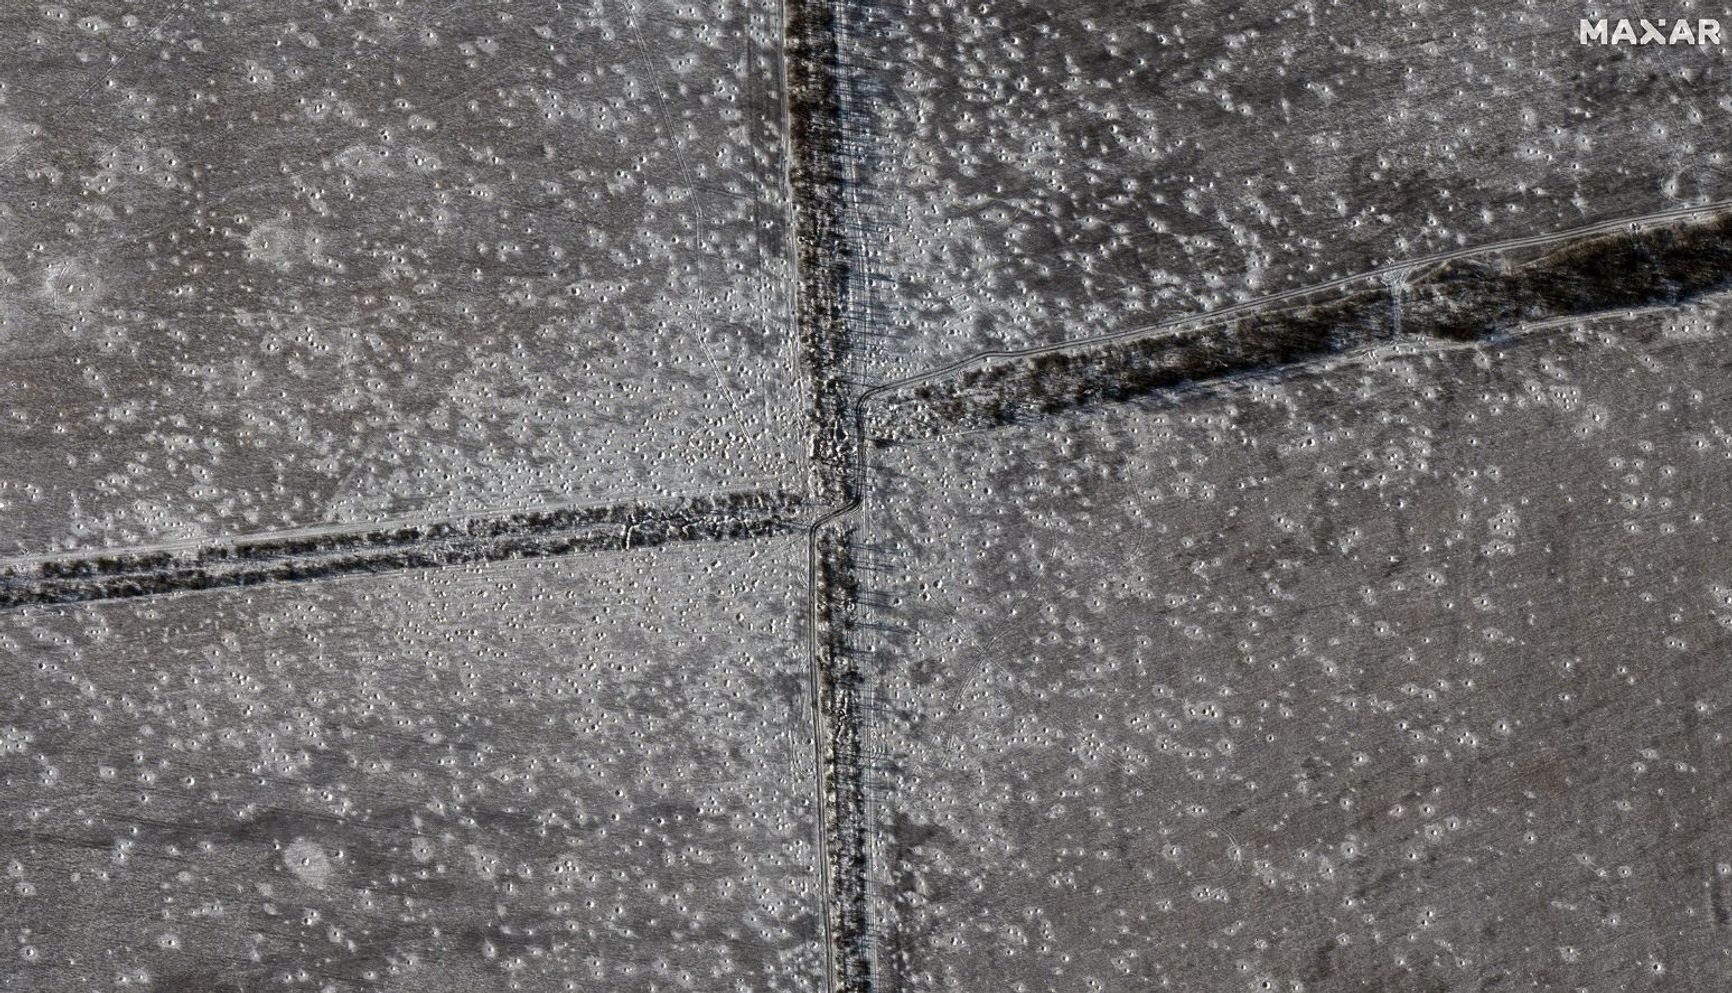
pixel 1463 300
pixel 722 517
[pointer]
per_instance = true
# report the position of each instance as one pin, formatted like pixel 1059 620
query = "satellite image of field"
pixel 837 496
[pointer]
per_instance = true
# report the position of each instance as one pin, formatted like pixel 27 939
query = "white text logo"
pixel 1646 32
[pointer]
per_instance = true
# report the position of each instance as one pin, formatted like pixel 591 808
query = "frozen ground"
pixel 426 404
pixel 568 774
pixel 1048 172
pixel 283 264
pixel 1392 673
